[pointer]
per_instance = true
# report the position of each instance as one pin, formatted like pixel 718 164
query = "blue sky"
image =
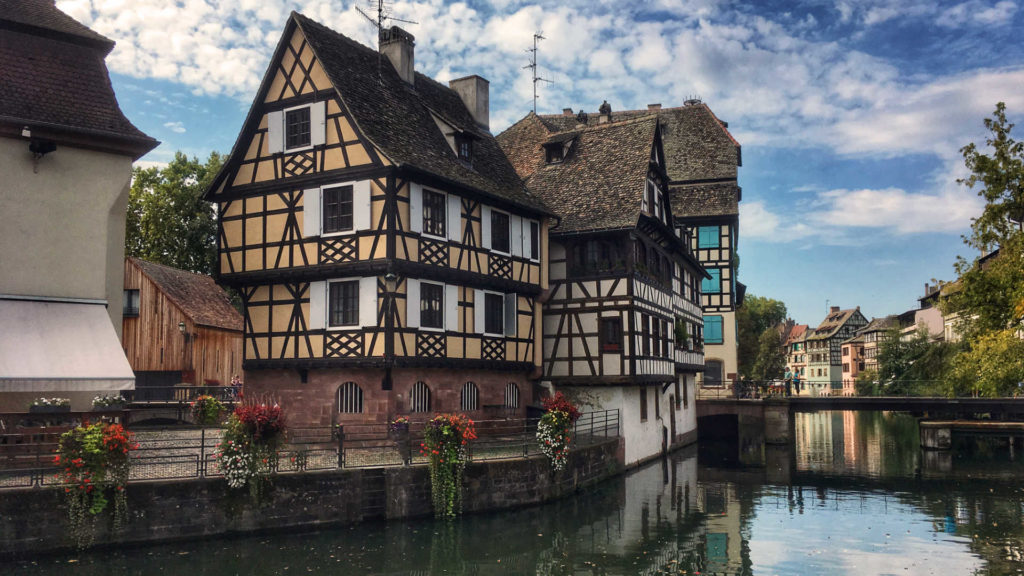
pixel 851 113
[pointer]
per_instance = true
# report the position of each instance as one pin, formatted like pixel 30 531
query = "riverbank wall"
pixel 34 521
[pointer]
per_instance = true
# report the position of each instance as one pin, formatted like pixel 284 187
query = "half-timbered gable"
pixel 376 232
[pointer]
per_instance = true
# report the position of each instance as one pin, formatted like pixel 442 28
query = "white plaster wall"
pixel 642 439
pixel 727 351
pixel 62 227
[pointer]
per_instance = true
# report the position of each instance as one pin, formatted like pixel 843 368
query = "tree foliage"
pixel 168 220
pixel 757 314
pixel 914 365
pixel 770 361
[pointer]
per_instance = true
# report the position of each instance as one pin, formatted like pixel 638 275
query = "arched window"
pixel 419 398
pixel 511 395
pixel 350 398
pixel 470 397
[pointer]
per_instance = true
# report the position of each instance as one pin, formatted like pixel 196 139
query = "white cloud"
pixel 176 127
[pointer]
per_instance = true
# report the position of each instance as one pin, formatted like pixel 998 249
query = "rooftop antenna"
pixel 533 67
pixel 383 15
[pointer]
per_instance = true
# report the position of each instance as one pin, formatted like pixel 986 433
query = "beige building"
pixel 796 350
pixel 66 153
pixel 874 334
pixel 853 364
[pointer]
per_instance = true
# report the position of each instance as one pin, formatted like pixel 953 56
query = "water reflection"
pixel 852 496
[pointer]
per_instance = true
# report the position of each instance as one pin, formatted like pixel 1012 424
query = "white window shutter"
pixel 275 132
pixel 412 303
pixel 317 305
pixel 311 212
pixel 415 207
pixel 511 314
pixel 318 123
pixel 451 307
pixel 485 227
pixel 368 301
pixel 515 237
pixel 454 218
pixel 361 205
pixel 478 311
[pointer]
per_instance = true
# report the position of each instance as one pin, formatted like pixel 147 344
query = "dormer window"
pixel 554 153
pixel 464 147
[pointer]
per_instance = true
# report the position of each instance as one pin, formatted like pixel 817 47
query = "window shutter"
pixel 275 132
pixel 478 311
pixel 451 307
pixel 415 207
pixel 454 218
pixel 485 227
pixel 318 123
pixel 311 212
pixel 317 305
pixel 361 205
pixel 511 314
pixel 368 302
pixel 412 303
pixel 516 234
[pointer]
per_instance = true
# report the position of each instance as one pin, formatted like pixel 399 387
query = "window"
pixel 419 398
pixel 846 350
pixel 666 340
pixel 611 334
pixel 657 405
pixel 494 313
pixel 554 153
pixel 434 214
pixel 350 398
pixel 643 404
pixel 297 132
pixel 431 305
pixel 677 393
pixel 470 399
pixel 645 331
pixel 686 396
pixel 500 232
pixel 131 304
pixel 337 209
pixel 656 336
pixel 650 197
pixel 343 305
pixel 464 147
pixel 846 366
pixel 713 329
pixel 534 250
pixel 708 237
pixel 511 395
pixel 712 285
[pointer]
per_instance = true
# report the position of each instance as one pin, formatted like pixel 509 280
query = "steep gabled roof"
pixel 53 77
pixel 600 184
pixel 797 333
pixel 197 295
pixel 879 324
pixel 832 323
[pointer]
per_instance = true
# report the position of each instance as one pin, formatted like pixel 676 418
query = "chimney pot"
pixel 475 94
pixel 399 46
pixel 835 309
pixel 654 106
pixel 566 111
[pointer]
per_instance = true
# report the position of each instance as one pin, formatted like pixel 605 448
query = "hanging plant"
pixel 206 410
pixel 248 453
pixel 554 431
pixel 95 461
pixel 445 441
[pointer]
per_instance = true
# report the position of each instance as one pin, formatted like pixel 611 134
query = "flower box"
pixel 48 409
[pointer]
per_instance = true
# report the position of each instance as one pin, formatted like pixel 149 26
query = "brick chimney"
pixel 835 309
pixel 566 111
pixel 475 94
pixel 653 107
pixel 399 46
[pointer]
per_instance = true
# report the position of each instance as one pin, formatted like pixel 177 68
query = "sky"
pixel 851 114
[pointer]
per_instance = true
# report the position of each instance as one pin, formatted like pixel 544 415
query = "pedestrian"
pixel 789 382
pixel 796 381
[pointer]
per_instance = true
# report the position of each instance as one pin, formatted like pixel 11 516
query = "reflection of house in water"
pixel 723 526
pixel 812 432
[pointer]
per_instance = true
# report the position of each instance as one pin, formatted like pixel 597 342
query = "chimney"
pixel 653 107
pixel 398 45
pixel 834 309
pixel 605 111
pixel 475 94
pixel 566 111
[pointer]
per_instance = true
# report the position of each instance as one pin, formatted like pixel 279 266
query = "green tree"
pixel 915 365
pixel 757 314
pixel 771 360
pixel 975 373
pixel 168 220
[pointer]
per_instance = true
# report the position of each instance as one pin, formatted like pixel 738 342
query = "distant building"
pixel 796 352
pixel 874 333
pixel 66 153
pixel 824 351
pixel 179 327
pixel 853 364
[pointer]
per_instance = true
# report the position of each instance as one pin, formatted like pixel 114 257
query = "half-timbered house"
pixel 623 309
pixel 389 258
pixel 824 349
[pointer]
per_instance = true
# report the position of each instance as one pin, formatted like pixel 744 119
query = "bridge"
pixel 774 412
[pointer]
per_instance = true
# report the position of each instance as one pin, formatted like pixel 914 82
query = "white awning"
pixel 60 346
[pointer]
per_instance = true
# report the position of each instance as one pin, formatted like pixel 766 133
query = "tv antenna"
pixel 380 22
pixel 533 67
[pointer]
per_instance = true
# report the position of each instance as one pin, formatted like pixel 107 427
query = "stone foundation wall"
pixel 34 521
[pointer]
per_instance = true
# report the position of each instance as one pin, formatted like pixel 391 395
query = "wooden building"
pixel 623 308
pixel 66 153
pixel 824 350
pixel 389 258
pixel 178 327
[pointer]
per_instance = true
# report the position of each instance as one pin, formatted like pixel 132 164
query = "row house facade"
pixel 824 350
pixel 389 258
pixel 622 317
pixel 853 364
pixel 874 333
pixel 796 350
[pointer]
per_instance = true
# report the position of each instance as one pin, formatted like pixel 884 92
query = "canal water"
pixel 853 495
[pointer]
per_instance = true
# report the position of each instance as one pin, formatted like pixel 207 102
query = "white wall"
pixel 62 226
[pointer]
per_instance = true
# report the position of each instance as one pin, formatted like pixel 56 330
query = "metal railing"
pixel 179 394
pixel 185 452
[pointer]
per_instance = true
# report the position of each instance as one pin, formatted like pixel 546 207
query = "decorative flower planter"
pixel 48 409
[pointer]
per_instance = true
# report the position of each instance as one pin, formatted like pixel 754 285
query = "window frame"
pixel 508 231
pixel 713 320
pixel 420 390
pixel 324 190
pixel 704 242
pixel 330 305
pixel 284 128
pixel 127 311
pixel 355 397
pixel 440 310
pixel 501 313
pixel 643 403
pixel 463 140
pixel 712 285
pixel 443 217
pixel 610 342
pixel 533 254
